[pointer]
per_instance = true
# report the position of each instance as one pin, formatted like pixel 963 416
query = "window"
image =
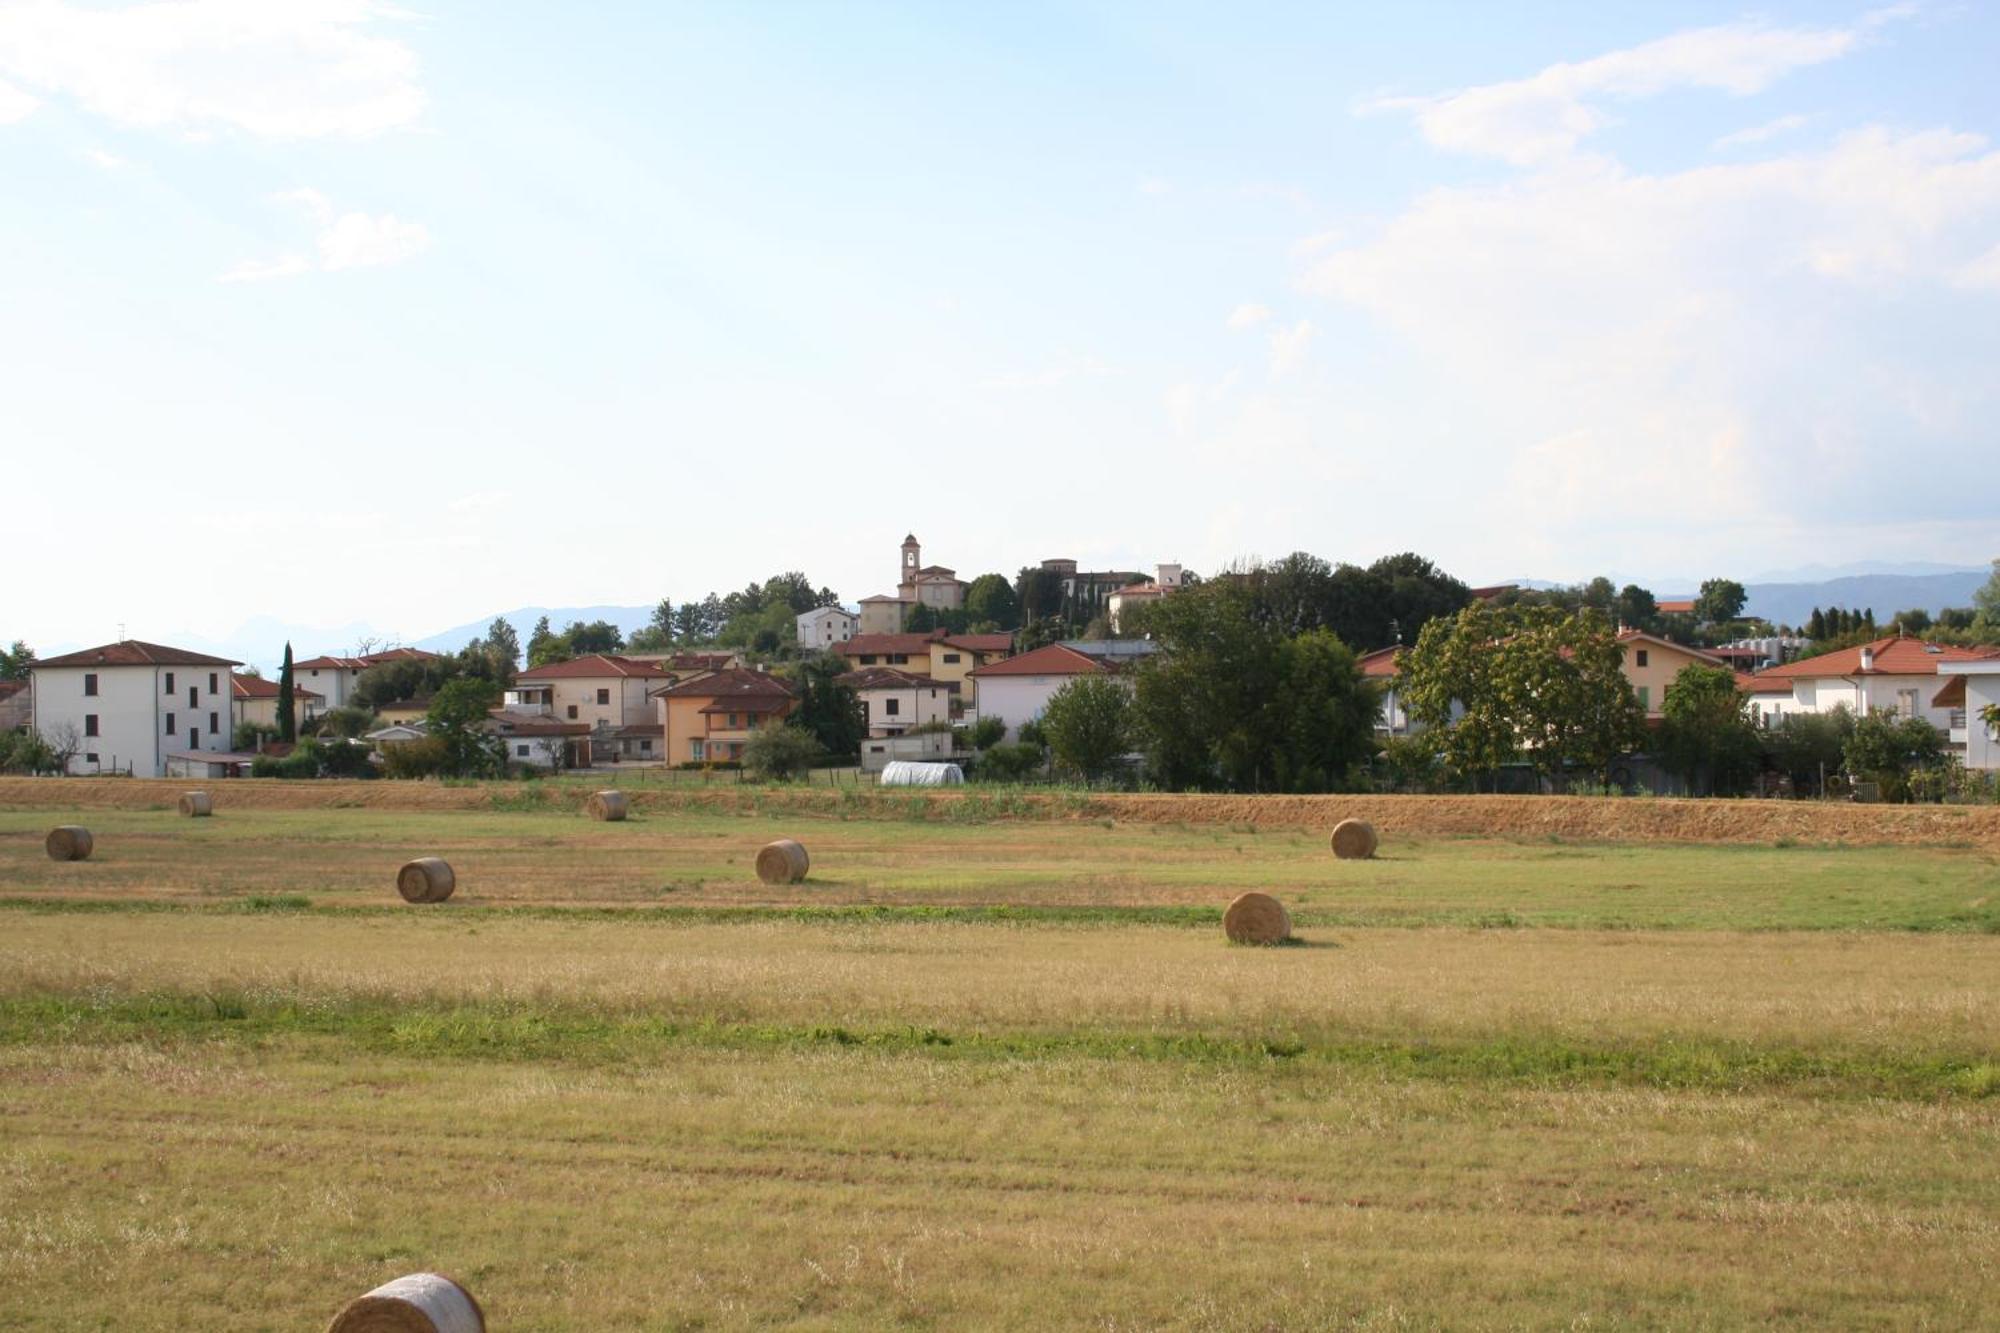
pixel 697 750
pixel 520 750
pixel 1642 657
pixel 170 682
pixel 194 739
pixel 867 659
pixel 90 758
pixel 951 659
pixel 90 684
pixel 645 746
pixel 572 707
pixel 194 697
pixel 170 724
pixel 211 685
pixel 1645 693
pixel 603 696
pixel 892 707
pixel 90 725
pixel 732 721
pixel 212 724
pixel 1906 703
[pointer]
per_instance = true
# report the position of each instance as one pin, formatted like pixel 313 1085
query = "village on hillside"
pixel 1431 685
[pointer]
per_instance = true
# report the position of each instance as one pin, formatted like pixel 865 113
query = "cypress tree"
pixel 288 716
pixel 1816 627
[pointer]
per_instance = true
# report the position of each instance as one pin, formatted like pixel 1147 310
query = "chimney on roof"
pixel 1867 659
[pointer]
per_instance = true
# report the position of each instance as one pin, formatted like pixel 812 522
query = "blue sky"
pixel 413 314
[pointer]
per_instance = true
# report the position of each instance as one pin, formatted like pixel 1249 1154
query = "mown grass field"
pixel 990 1075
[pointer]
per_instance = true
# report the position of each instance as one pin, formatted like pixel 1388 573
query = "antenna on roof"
pixel 121 631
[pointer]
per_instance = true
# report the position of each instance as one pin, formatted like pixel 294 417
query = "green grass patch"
pixel 518 1031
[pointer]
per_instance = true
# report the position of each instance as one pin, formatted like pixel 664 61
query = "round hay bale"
pixel 426 880
pixel 610 805
pixel 1354 840
pixel 68 842
pixel 782 862
pixel 197 804
pixel 1257 918
pixel 419 1303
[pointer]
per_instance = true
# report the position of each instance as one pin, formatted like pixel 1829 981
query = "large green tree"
pixel 1890 751
pixel 505 646
pixel 832 712
pixel 458 718
pixel 1088 723
pixel 1533 683
pixel 16 661
pixel 1719 600
pixel 1233 701
pixel 545 646
pixel 1708 737
pixel 990 600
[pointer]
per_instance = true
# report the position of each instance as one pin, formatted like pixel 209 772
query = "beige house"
pixel 710 718
pixel 942 656
pixel 254 699
pixel 1651 663
pixel 606 694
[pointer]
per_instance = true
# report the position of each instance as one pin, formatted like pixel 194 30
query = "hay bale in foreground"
pixel 419 1303
pixel 1354 840
pixel 782 862
pixel 1257 918
pixel 68 842
pixel 426 880
pixel 197 804
pixel 610 805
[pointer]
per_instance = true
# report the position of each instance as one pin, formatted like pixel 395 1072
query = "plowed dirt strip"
pixel 1595 819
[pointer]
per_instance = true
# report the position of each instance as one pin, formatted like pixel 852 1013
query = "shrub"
pixel 344 759
pixel 415 759
pixel 781 753
pixel 1008 763
pixel 986 733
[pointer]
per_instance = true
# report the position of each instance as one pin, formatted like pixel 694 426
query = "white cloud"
pixel 276 69
pixel 263 270
pixel 1764 133
pixel 356 240
pixel 1763 343
pixel 97 157
pixel 1248 316
pixel 343 241
pixel 1542 119
pixel 1288 348
pixel 15 104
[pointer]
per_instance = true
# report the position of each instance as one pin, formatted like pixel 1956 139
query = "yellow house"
pixel 710 718
pixel 1651 663
pixel 945 657
pixel 254 699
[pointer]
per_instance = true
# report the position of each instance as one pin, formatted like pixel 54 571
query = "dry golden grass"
pixel 1911 992
pixel 219 1187
pixel 227 1118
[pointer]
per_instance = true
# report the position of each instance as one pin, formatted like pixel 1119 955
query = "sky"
pixel 345 314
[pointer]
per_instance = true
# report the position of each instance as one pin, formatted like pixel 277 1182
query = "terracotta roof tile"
pixel 595 666
pixel 1894 656
pixel 1053 660
pixel 131 652
pixel 734 684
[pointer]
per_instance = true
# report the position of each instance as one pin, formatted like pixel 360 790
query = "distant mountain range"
pixel 1791 602
pixel 523 618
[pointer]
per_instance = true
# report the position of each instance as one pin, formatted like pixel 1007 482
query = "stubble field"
pixel 987 1074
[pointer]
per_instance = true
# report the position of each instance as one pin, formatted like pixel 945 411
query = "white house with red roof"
pixel 333 678
pixel 134 707
pixel 1897 675
pixel 898 700
pixel 1018 689
pixel 605 693
pixel 1969 690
